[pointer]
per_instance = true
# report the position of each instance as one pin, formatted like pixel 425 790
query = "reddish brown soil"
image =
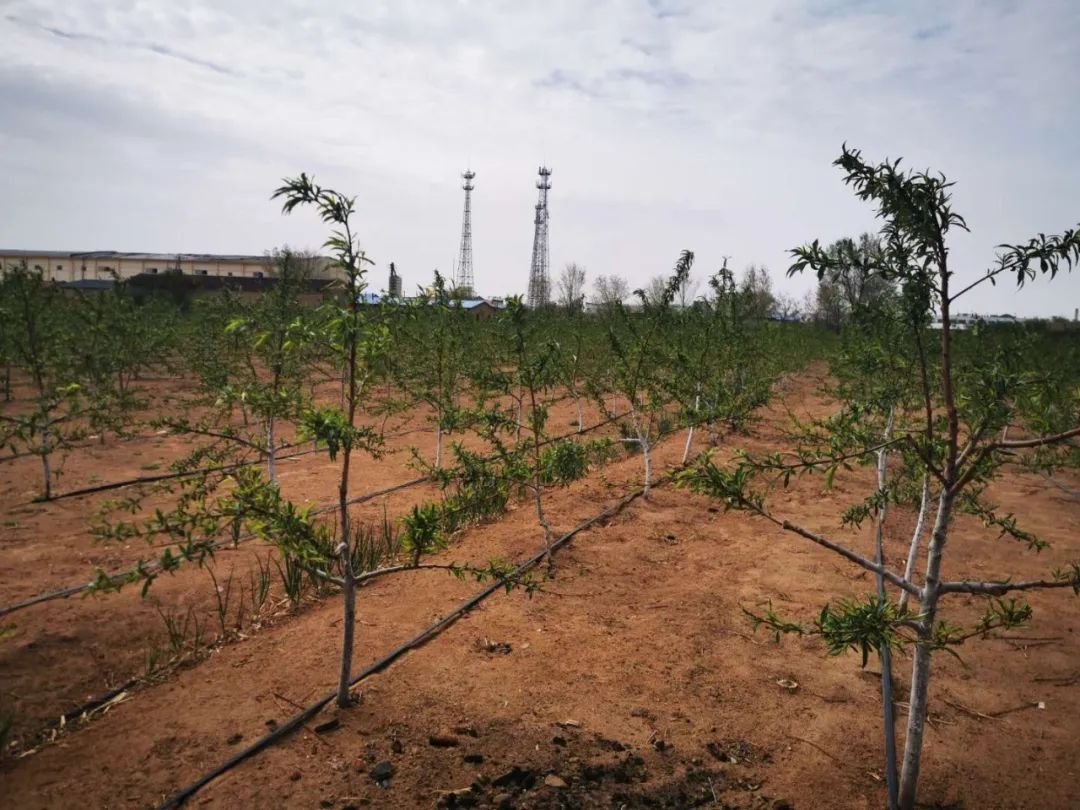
pixel 638 648
pixel 69 651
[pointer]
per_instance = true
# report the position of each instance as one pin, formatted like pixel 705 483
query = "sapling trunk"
pixel 540 516
pixel 348 590
pixel 348 575
pixel 438 444
pixel 271 451
pixel 520 412
pixel 580 413
pixel 646 451
pixel 920 667
pixel 916 538
pixel 887 710
pixel 690 432
pixel 538 478
pixel 646 454
pixel 46 469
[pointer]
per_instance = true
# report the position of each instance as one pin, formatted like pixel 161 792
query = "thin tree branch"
pixel 990 274
pixel 1038 441
pixel 843 551
pixel 394 569
pixel 847 553
pixel 1000 588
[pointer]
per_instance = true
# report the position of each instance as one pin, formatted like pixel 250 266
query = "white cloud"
pixel 161 126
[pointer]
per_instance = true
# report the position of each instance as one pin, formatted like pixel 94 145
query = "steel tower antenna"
pixel 463 278
pixel 539 281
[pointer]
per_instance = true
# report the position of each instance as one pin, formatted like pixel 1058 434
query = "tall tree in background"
pixel 571 286
pixel 857 272
pixel 827 305
pixel 610 290
pixel 756 291
pixel 687 292
pixel 655 289
pixel 854 280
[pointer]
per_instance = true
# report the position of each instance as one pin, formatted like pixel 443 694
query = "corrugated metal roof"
pixel 59 254
pixel 208 258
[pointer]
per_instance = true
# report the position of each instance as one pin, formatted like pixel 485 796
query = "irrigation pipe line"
pixel 27 453
pixel 296 721
pixel 66 593
pixel 101 700
pixel 153 479
pixel 119 575
pixel 226 468
pixel 74 590
pixel 122 437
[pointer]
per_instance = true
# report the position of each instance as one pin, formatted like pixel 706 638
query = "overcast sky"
pixel 164 126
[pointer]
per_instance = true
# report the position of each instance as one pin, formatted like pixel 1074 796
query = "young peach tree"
pixel 641 364
pixel 42 344
pixel 361 346
pixel 954 431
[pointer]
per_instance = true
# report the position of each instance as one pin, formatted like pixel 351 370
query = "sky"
pixel 151 125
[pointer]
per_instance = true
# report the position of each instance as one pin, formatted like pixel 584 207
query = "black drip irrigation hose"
pixel 296 721
pixel 153 479
pixel 130 437
pixel 99 701
pixel 65 593
pixel 120 575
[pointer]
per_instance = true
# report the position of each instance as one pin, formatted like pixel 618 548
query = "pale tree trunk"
pixel 540 516
pixel 580 414
pixel 646 450
pixel 538 483
pixel 916 538
pixel 646 454
pixel 690 433
pixel 271 452
pixel 920 668
pixel 438 444
pixel 887 709
pixel 520 413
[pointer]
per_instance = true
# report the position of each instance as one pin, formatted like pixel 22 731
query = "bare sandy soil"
pixel 66 652
pixel 631 680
